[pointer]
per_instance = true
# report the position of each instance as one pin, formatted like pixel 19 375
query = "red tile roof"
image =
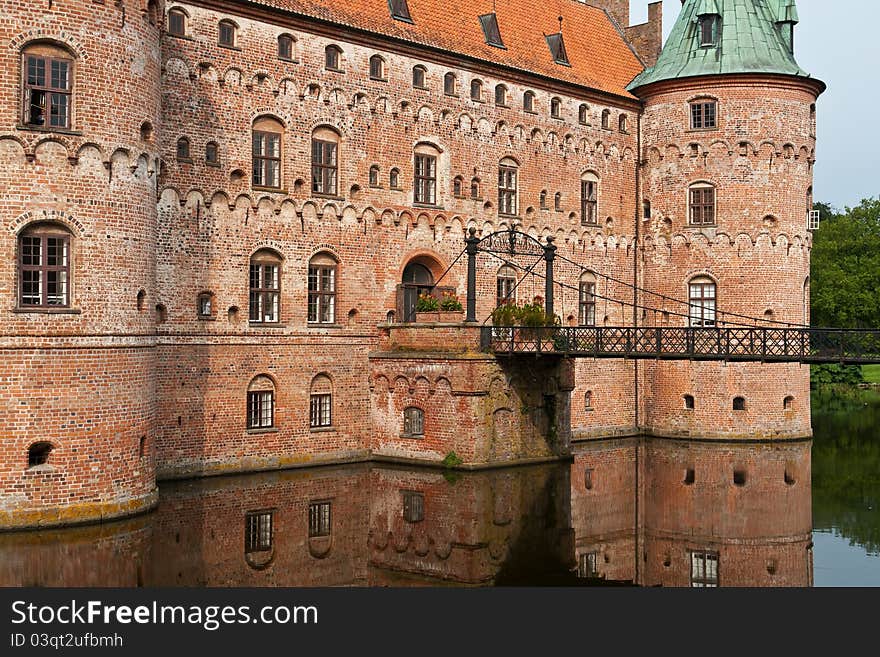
pixel 599 56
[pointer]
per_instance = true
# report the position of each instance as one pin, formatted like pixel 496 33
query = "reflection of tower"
pixel 78 207
pixel 728 149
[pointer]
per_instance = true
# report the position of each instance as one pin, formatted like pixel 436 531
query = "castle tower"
pixel 78 164
pixel 728 143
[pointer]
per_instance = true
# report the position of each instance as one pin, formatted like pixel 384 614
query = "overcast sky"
pixel 836 42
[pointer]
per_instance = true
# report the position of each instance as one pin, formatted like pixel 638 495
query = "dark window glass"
pixel 501 95
pixel 475 189
pixel 489 23
pixel 48 87
pixel 176 22
pixel 419 77
pixel 555 108
pixel 394 179
pixel 319 519
pixel 557 48
pixel 399 10
pixel 332 57
pixel 322 294
pixel 285 47
pixel 211 155
pixel 425 188
pixel 324 167
pixel 587 303
pixel 261 409
pixel 589 203
pixel 606 119
pixel 374 176
pixel 227 33
pixel 319 410
pixel 266 159
pixel 703 115
pixel 449 84
pixel 702 206
pixel 413 507
pixel 709 30
pixel 258 532
pixel 377 67
pixel 583 114
pixel 529 101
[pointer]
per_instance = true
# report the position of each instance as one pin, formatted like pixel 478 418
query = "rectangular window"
pixel 507 190
pixel 702 206
pixel 704 569
pixel 702 303
pixel 44 270
pixel 413 506
pixel 324 167
pixel 322 294
pixel 413 422
pixel 265 293
pixel 227 34
pixel 589 205
pixel 588 565
pixel 258 532
pixel 47 92
pixel 587 303
pixel 319 411
pixel 261 409
pixel 399 10
pixel 176 23
pixel 489 23
pixel 504 290
pixel 425 190
pixel 319 519
pixel 703 115
pixel 266 159
pixel 557 48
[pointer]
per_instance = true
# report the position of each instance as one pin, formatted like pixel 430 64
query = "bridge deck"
pixel 758 344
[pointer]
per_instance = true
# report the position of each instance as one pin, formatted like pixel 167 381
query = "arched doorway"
pixel 417 279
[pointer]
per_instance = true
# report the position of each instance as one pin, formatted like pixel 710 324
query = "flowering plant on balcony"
pixel 427 303
pixel 449 301
pixel 531 315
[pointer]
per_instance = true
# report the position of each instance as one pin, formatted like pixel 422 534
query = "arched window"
pixel 701 199
pixel 739 403
pixel 212 155
pixel 702 299
pixel 48 86
pixel 646 209
pixel 38 454
pixel 557 201
pixel 689 402
pixel 501 95
pixel 505 286
pixel 587 299
pixel 44 266
pixel 226 33
pixel 419 77
pixel 377 68
pixel 507 186
pixel 529 101
pixel 621 123
pixel 588 400
pixel 333 58
pixel 475 188
pixel 456 186
pixel 183 150
pixel 153 12
pixel 413 422
pixel 543 199
pixel 374 176
pixel 813 120
pixel 321 402
pixel 266 141
pixel 606 119
pixel 788 403
pixel 589 199
pixel 556 108
pixel 261 403
pixel 325 165
pixel 425 174
pixel 583 114
pixel 476 90
pixel 322 289
pixel 265 287
pixel 394 178
pixel 177 22
pixel 449 86
pixel 285 47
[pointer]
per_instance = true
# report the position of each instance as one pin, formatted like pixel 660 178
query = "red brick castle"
pixel 217 218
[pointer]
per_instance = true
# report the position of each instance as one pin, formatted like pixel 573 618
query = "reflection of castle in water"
pixel 647 511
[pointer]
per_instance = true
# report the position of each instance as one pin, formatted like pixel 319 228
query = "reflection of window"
pixel 258 531
pixel 319 519
pixel 588 565
pixel 322 289
pixel 702 298
pixel 413 506
pixel 44 267
pixel 704 569
pixel 413 422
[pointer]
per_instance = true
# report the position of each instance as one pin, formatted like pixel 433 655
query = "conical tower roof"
pixel 749 41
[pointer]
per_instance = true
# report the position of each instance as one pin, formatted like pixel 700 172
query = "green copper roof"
pixel 749 41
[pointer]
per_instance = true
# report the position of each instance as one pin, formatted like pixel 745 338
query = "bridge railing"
pixel 805 345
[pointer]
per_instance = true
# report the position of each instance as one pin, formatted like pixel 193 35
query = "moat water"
pixel 628 511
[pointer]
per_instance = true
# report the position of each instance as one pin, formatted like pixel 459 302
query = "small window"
pixel 622 123
pixel 508 171
pixel 557 48
pixel 374 176
pixel 606 119
pixel 589 199
pixel 557 202
pixel 413 422
pixel 48 86
pixel 141 299
pixel 226 34
pixel 739 403
pixel 588 565
pixel 690 477
pixel 399 10
pixel 261 403
pixel 739 477
pixel 556 108
pixel 475 188
pixel 489 23
pixel 183 152
pixel 321 402
pixel 322 289
pixel 205 305
pixel 377 68
pixel 44 267
pixel 703 115
pixel 788 403
pixel 702 297
pixel 325 165
pixel 258 532
pixel 285 47
pixel 38 454
pixel 709 24
pixel 584 114
pixel 476 90
pixel 394 179
pixel 319 519
pixel 419 75
pixel 588 478
pixel 265 287
pixel 587 301
pixel 333 58
pixel 449 84
pixel 456 186
pixel 689 402
pixel 701 198
pixel 413 506
pixel 588 401
pixel 501 95
pixel 177 22
pixel 542 199
pixel 529 101
pixel 505 286
pixel 266 153
pixel 704 569
pixel 212 155
pixel 646 209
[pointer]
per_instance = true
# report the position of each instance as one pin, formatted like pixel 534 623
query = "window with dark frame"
pixel 622 123
pixel 704 569
pixel 489 23
pixel 476 90
pixel 703 115
pixel 261 409
pixel 258 531
pixel 394 178
pixel 413 506
pixel 373 176
pixel 322 290
pixel 557 201
pixel 449 84
pixel 324 167
pixel 48 87
pixel 176 23
pixel 285 47
pixel 708 24
pixel 542 199
pixel 319 519
pixel 413 422
pixel 212 153
pixel 377 68
pixel 588 565
pixel 44 268
pixel 400 10
pixel 425 179
pixel 266 159
pixel 475 188
pixel 589 203
pixel 702 299
pixel 557 48
pixel 265 291
pixel 456 186
pixel 226 34
pixel 555 108
pixel 702 205
pixel 332 58
pixel 320 406
pixel 501 95
pixel 529 101
pixel 583 111
pixel 204 305
pixel 183 152
pixel 587 303
pixel 419 76
pixel 606 119
pixel 507 187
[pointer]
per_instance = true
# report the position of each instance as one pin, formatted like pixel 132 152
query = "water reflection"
pixel 634 511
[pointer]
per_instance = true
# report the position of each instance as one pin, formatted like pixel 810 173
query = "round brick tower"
pixel 728 143
pixel 80 83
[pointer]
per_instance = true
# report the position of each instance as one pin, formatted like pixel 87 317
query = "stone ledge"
pixel 76 514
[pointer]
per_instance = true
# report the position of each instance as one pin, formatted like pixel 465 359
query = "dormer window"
pixel 399 10
pixel 557 48
pixel 709 25
pixel 489 23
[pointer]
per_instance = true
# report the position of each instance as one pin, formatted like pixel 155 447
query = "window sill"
pixel 37 128
pixel 330 429
pixel 421 88
pixel 259 430
pixel 502 105
pixel 508 216
pixel 329 197
pixel 395 189
pixel 184 160
pixel 206 318
pixel 417 436
pixel 715 129
pixel 376 187
pixel 430 206
pixel 448 95
pixel 584 123
pixel 47 311
pixel 288 60
pixel 273 190
pixel 378 79
pixel 226 46
pixel 530 112
pixel 216 165
pixel 334 70
pixel 183 37
pixel 557 118
pixel 317 325
pixel 255 324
